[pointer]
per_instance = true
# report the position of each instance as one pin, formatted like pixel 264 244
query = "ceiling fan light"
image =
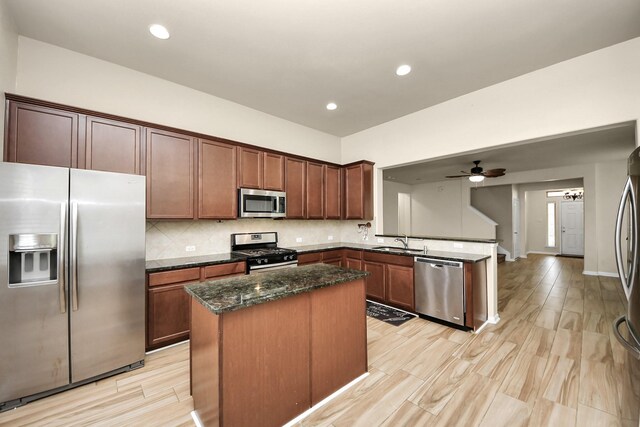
pixel 476 178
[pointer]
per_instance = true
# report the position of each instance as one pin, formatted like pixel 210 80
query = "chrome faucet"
pixel 405 241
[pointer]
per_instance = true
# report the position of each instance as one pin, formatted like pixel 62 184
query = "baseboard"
pixel 542 253
pixel 326 400
pixel 599 273
pixel 493 319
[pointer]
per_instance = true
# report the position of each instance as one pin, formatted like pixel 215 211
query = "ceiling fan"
pixel 477 174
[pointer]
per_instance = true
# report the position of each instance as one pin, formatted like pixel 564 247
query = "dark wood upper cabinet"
pixel 113 146
pixel 170 175
pixel 179 185
pixel 359 191
pixel 249 168
pixel 42 136
pixel 273 172
pixel 332 192
pixel 295 187
pixel 315 190
pixel 217 194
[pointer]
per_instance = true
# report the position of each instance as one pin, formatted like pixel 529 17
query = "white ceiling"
pixel 602 145
pixel 290 58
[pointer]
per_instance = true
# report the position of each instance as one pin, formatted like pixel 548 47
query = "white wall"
pixel 436 209
pixel 495 202
pixel 610 179
pixel 391 190
pixel 60 75
pixel 8 59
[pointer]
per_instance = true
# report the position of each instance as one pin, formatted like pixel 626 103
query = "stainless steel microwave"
pixel 261 203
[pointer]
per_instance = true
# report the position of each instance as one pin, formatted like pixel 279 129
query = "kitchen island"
pixel 267 347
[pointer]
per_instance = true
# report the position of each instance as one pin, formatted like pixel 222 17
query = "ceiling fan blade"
pixel 494 173
pixel 457 176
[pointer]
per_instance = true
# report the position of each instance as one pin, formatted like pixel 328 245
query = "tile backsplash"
pixel 170 239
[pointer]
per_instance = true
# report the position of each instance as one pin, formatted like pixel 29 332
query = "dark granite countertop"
pixel 225 295
pixel 442 255
pixel 453 239
pixel 194 261
pixel 224 258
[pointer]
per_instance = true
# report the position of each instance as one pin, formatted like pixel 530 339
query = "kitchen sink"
pixel 398 250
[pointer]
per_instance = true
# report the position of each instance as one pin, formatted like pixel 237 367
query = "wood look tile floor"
pixel 552 360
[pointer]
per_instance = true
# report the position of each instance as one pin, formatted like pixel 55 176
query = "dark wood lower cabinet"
pixel 391 279
pixel 352 259
pixel 375 281
pixel 168 305
pixel 399 286
pixel 168 320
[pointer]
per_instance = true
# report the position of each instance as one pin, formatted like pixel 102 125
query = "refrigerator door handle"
pixel 627 193
pixel 626 344
pixel 74 256
pixel 62 259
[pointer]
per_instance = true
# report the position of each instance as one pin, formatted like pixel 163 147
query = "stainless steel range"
pixel 262 252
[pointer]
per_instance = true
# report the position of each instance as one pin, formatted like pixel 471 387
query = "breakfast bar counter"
pixel 267 347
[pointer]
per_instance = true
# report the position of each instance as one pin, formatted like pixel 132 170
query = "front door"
pixel 572 227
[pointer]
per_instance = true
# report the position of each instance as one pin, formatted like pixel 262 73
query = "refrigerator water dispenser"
pixel 33 259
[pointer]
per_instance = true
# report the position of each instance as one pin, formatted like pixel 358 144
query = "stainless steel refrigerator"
pixel 72 250
pixel 627 257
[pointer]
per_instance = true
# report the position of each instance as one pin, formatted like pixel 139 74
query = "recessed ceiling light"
pixel 331 106
pixel 403 70
pixel 159 31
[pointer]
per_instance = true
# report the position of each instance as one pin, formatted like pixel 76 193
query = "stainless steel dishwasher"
pixel 440 289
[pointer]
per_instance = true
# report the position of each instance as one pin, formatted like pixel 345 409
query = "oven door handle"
pixel 274 266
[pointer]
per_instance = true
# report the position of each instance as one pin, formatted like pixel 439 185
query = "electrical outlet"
pixel 190 248
pixel 298 239
pixel 329 237
pixel 380 240
pixel 458 245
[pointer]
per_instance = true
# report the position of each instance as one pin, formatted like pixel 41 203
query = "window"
pixel 551 224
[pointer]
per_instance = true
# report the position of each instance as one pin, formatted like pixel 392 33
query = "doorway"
pixel 572 228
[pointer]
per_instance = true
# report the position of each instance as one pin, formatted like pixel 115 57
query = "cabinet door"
pixel 295 177
pixel 400 289
pixel 217 190
pixel 168 315
pixel 113 146
pixel 332 193
pixel 354 263
pixel 315 190
pixel 42 136
pixel 249 168
pixel 170 175
pixel 359 191
pixel 375 281
pixel 273 172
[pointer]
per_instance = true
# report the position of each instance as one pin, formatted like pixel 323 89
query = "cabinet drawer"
pixel 220 270
pixel 388 259
pixel 174 276
pixel 332 255
pixel 351 253
pixel 309 258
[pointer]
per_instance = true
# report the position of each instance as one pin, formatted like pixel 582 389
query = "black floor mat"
pixel 387 314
